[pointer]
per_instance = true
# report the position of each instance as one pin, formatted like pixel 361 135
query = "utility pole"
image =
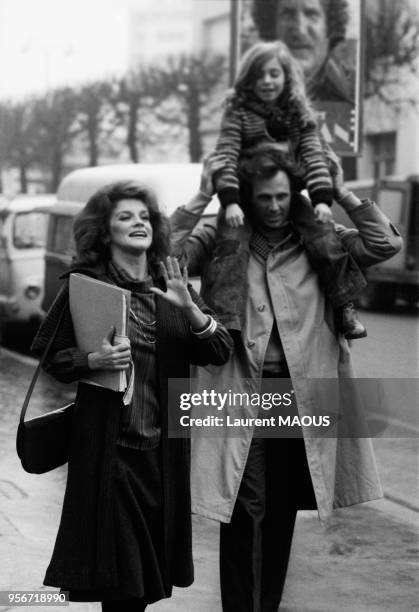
pixel 235 14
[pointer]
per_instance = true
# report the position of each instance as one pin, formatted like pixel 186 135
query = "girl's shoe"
pixel 348 323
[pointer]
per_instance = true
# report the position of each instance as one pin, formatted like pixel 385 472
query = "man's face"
pixel 302 26
pixel 271 200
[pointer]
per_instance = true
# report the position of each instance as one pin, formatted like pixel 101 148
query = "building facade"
pixel 390 138
pixel 159 29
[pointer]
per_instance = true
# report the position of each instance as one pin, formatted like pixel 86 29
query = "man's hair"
pixel 336 11
pixel 91 226
pixel 264 163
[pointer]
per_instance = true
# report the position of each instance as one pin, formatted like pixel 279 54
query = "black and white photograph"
pixel 209 300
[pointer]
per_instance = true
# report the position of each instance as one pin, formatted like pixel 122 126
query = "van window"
pixel 30 230
pixel 62 235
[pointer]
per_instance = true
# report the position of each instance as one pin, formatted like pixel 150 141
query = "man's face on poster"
pixel 302 26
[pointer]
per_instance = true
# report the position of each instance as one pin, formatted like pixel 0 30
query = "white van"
pixel 23 230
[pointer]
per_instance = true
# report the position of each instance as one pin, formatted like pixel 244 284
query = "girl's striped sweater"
pixel 242 128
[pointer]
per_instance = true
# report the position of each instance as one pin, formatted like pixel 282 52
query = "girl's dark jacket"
pixel 84 554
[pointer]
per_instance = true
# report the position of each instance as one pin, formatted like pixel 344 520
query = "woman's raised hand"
pixel 177 293
pixel 177 284
pixel 111 356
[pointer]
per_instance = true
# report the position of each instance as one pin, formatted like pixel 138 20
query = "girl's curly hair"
pixel 293 99
pixel 91 226
pixel 336 11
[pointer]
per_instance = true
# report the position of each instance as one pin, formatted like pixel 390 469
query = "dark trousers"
pixel 339 274
pixel 255 546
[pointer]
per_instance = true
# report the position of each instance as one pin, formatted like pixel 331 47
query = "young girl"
pixel 268 109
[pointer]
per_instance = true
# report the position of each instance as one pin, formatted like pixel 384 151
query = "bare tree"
pixel 18 148
pixel 192 80
pixel 137 90
pixel 92 111
pixel 392 51
pixel 55 115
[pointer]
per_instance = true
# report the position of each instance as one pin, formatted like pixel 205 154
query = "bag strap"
pixel 39 367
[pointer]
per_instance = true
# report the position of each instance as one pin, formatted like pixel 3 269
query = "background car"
pixel 23 230
pixel 397 277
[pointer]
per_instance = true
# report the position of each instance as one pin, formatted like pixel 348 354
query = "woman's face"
pixel 130 229
pixel 270 81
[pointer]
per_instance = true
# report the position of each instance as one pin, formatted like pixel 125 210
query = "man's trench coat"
pixel 343 469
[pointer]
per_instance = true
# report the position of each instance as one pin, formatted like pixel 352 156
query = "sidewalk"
pixel 364 561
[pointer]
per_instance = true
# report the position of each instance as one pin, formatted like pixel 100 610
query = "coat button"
pixel 261 308
pixel 251 344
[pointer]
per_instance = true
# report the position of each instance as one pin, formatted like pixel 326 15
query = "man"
pixel 312 29
pixel 255 486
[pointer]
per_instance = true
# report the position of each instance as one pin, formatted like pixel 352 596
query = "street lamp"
pixel 235 14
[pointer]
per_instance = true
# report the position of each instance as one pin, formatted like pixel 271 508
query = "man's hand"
pixel 111 356
pixel 234 215
pixel 211 164
pixel 336 173
pixel 323 213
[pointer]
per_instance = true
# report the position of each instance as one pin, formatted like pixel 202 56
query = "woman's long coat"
pixel 84 556
pixel 342 467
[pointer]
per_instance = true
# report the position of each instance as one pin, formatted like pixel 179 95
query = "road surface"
pixel 364 560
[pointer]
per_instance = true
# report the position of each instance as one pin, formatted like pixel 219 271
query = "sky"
pixel 47 43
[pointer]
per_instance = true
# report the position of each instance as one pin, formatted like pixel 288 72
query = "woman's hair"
pixel 91 226
pixel 293 98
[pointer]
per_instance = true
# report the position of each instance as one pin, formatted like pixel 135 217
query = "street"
pixel 365 559
pixel 391 349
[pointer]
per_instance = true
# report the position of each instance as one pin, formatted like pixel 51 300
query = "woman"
pixel 125 532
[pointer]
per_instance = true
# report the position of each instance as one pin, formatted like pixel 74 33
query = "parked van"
pixel 23 229
pixel 174 185
pixel 398 277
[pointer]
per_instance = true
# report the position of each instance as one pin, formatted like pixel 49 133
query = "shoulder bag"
pixel 43 442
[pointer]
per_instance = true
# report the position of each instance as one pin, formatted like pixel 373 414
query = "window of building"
pixel 349 168
pixel 383 153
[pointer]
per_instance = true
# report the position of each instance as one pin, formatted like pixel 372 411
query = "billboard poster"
pixel 326 38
